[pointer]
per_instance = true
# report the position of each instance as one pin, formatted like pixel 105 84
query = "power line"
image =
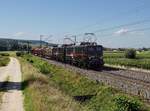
pixel 135 10
pixel 119 26
pixel 133 30
pixel 142 29
pixel 123 25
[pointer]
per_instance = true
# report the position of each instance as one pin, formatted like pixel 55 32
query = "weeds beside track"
pixel 72 83
pixel 40 94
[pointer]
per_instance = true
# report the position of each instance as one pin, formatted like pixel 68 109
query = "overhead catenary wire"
pixel 127 12
pixel 123 25
pixel 119 26
pixel 128 31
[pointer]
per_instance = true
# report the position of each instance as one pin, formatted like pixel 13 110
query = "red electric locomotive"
pixel 89 55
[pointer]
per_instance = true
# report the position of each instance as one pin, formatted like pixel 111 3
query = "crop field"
pixel 142 59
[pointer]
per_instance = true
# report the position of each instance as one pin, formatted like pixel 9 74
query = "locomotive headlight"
pixel 101 57
pixel 56 53
pixel 71 55
pixel 91 57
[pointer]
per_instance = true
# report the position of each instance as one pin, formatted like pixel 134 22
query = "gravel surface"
pixel 10 79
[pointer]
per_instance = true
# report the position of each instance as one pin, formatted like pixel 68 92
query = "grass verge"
pixel 41 94
pixel 73 84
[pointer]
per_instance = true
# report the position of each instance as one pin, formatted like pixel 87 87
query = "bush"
pixel 30 60
pixel 20 53
pixel 4 54
pixel 125 103
pixel 44 68
pixel 4 61
pixel 130 53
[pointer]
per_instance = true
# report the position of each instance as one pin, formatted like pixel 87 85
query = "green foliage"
pixel 125 103
pixel 44 68
pixel 40 94
pixel 143 55
pixel 4 54
pixel 30 60
pixel 4 60
pixel 113 54
pixel 104 100
pixel 20 53
pixel 130 53
pixel 117 58
pixel 74 84
pixel 141 63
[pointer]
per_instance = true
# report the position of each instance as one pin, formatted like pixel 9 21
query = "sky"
pixel 116 23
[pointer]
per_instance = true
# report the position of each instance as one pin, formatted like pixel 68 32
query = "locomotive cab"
pixel 89 55
pixel 96 51
pixel 95 56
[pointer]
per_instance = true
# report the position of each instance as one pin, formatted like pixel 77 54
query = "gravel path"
pixel 12 99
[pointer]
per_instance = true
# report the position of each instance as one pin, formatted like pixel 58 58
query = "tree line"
pixel 14 45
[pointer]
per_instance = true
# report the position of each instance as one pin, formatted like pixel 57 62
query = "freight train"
pixel 85 55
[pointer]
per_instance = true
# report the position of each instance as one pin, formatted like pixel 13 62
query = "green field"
pixel 142 59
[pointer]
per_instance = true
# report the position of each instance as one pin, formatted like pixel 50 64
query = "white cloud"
pixel 122 31
pixel 19 34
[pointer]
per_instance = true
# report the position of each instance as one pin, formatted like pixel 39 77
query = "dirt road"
pixel 12 99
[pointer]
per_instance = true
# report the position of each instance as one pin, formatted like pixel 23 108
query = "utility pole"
pixel 28 46
pixel 41 41
pixel 42 38
pixel 48 39
pixel 72 38
pixel 75 39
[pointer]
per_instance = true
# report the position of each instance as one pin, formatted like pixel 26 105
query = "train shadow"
pixel 5 86
pixel 83 98
pixel 107 68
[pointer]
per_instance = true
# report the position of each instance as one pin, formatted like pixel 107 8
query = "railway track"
pixel 132 82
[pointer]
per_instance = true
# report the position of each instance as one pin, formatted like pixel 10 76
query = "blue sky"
pixel 27 19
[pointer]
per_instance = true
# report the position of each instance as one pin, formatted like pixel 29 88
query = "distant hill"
pixel 16 44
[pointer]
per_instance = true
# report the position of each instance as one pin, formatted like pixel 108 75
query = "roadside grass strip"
pixel 40 94
pixel 74 86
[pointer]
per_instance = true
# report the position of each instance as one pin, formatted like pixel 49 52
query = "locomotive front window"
pixel 95 50
pixel 99 49
pixel 91 49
